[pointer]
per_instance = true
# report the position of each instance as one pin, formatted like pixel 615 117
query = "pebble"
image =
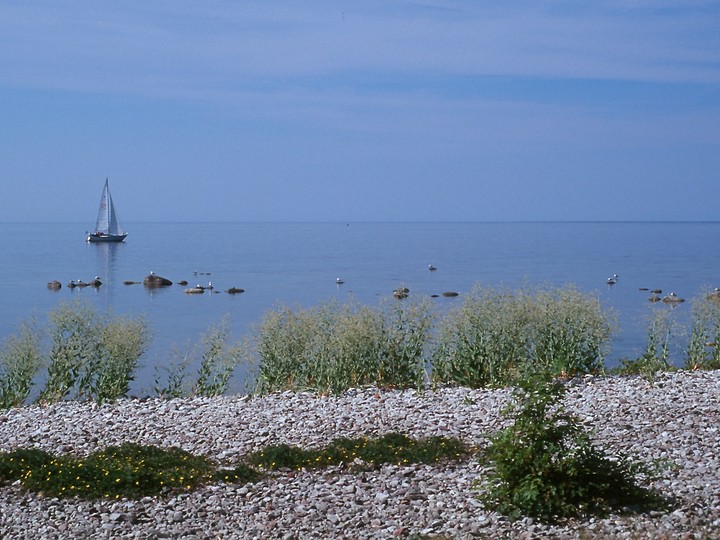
pixel 674 419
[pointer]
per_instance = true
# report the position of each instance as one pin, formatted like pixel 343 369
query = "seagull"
pixel 612 280
pixel 431 268
pixel 339 281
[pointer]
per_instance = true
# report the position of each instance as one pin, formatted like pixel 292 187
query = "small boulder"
pixel 153 280
pixel 235 290
pixel 54 285
pixel 195 290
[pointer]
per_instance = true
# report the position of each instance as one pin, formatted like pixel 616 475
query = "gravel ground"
pixel 676 418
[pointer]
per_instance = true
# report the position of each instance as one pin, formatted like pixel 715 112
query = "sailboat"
pixel 107 227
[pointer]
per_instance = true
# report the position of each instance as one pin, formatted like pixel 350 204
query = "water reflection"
pixel 106 256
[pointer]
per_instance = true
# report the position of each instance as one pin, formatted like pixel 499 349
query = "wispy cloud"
pixel 225 49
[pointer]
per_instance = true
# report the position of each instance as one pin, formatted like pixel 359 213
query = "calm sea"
pixel 297 264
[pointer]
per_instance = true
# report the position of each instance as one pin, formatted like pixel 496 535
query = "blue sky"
pixel 435 110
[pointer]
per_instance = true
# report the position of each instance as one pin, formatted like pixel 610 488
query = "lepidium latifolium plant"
pixel 703 351
pixel 91 356
pixel 497 336
pixel 20 361
pixel 333 347
pixel 214 359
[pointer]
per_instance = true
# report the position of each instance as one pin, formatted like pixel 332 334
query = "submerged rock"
pixel 235 290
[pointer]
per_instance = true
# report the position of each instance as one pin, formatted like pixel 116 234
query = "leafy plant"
pixel 18 463
pixel 655 358
pixel 704 346
pixel 20 360
pixel 175 381
pixel 496 337
pixel 545 465
pixel 129 470
pixel 91 356
pixel 122 343
pixel 217 364
pixel 390 448
pixel 333 347
pixel 75 345
pixel 133 470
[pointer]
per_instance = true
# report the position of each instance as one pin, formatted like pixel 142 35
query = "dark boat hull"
pixel 103 238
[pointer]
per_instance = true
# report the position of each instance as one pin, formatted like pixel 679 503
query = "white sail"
pixel 107 226
pixel 107 220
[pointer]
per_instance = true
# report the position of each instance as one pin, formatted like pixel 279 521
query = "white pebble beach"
pixel 674 419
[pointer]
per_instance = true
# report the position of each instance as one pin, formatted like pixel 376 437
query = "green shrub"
pixel 704 346
pixel 75 345
pixel 20 361
pixel 656 357
pixel 496 337
pixel 545 465
pixel 572 332
pixel 122 343
pixel 91 356
pixel 174 384
pixel 218 362
pixel 333 347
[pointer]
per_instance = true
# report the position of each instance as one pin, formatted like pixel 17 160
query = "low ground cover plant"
pixel 545 465
pixel 392 448
pixel 134 471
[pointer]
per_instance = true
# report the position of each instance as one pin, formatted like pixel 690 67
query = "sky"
pixel 376 110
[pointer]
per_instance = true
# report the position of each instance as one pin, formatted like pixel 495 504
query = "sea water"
pixel 297 264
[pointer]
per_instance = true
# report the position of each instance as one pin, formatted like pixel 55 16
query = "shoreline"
pixel 675 419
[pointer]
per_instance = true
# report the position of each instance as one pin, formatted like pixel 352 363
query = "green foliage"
pixel 704 346
pixel 122 343
pixel 496 337
pixel 333 347
pixel 20 360
pixel 655 358
pixel 546 466
pixel 18 463
pixel 129 470
pixel 134 471
pixel 75 343
pixel 240 474
pixel 217 364
pixel 175 382
pixel 91 356
pixel 390 448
